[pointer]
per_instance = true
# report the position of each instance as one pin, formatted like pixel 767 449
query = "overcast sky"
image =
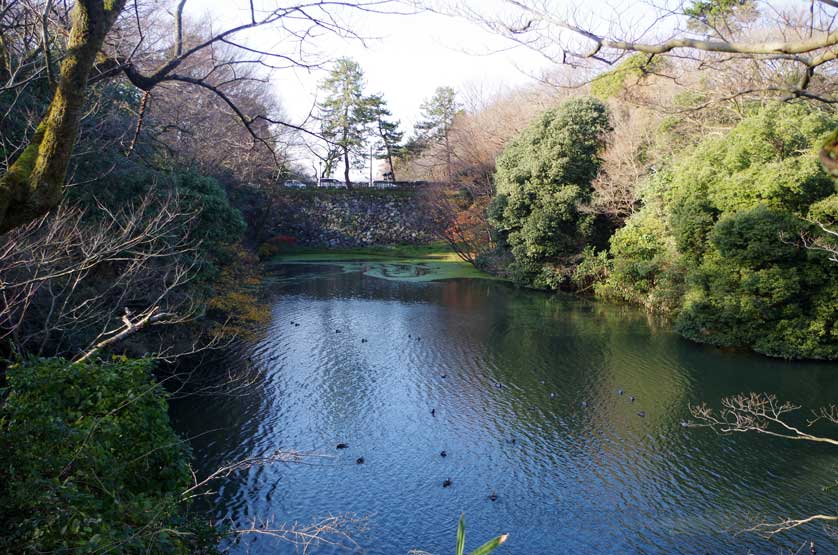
pixel 406 57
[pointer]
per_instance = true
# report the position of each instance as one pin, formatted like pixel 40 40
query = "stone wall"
pixel 340 218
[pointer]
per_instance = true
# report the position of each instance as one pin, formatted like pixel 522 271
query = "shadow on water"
pixel 524 391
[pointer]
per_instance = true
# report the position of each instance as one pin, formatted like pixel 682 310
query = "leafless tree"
pixel 826 242
pixel 626 161
pixel 75 283
pixel 764 414
pixel 101 40
pixel 204 135
pixel 458 214
pixel 771 48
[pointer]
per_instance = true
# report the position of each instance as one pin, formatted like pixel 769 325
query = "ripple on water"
pixel 585 472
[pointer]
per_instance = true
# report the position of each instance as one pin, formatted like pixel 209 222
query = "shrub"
pixel 646 267
pixel 90 462
pixel 235 306
pixel 718 244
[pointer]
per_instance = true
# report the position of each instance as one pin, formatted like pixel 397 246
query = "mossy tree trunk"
pixel 34 182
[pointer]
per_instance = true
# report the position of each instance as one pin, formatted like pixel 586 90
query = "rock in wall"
pixel 340 218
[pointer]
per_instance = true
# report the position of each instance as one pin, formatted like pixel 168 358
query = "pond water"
pixel 585 474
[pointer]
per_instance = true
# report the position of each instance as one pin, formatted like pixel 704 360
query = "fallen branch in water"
pixel 331 530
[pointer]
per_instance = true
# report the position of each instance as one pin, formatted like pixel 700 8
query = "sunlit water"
pixel 585 475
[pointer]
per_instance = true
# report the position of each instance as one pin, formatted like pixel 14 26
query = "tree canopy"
pixel 544 176
pixel 345 115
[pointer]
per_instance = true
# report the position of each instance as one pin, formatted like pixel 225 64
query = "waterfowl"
pixel 444 376
pixel 296 325
pixel 631 398
pixel 584 403
pixel 359 460
pixel 363 340
pixel 337 331
pixel 641 414
pixel 620 392
pixel 493 496
pixel 342 446
pixel 433 412
pixel 443 454
pixel 541 382
pixel 446 483
pixel 552 395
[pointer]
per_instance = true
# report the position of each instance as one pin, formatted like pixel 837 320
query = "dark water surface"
pixel 595 479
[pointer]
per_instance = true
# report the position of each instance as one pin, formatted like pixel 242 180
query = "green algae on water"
pixel 408 264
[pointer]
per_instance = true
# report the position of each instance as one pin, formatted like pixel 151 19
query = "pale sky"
pixel 417 54
pixel 406 59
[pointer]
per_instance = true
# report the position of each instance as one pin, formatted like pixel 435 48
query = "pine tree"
pixel 437 119
pixel 387 130
pixel 345 116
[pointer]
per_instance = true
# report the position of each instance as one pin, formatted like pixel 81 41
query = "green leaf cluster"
pixel 631 70
pixel 715 13
pixel 90 462
pixel 717 240
pixel 543 177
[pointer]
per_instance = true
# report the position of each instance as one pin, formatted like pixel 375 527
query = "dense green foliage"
pixel 717 242
pixel 629 71
pixel 90 462
pixel 543 177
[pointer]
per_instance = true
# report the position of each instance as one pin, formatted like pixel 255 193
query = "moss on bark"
pixel 34 183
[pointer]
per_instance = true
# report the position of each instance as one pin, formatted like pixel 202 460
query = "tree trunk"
pixel 447 157
pixel 390 163
pixel 346 168
pixel 34 183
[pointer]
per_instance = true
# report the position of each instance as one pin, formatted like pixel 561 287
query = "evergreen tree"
pixel 437 119
pixel 387 129
pixel 543 177
pixel 345 115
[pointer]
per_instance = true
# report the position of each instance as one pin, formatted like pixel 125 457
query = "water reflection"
pixel 524 389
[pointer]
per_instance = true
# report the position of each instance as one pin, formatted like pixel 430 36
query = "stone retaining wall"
pixel 340 218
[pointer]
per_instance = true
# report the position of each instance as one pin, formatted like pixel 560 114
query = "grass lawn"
pixel 404 263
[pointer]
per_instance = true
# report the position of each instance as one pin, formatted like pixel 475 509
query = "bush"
pixel 90 462
pixel 718 244
pixel 646 268
pixel 543 176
